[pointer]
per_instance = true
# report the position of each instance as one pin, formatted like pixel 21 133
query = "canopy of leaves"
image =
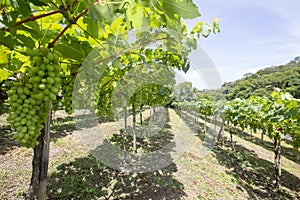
pixel 74 27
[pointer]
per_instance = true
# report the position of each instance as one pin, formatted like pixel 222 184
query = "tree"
pixel 184 90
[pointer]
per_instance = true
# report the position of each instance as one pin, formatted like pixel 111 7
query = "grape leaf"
pixel 3 56
pixel 138 17
pixel 92 27
pixel 38 3
pixel 94 12
pixel 216 27
pixel 184 8
pixel 26 41
pixel 186 67
pixel 4 74
pixel 70 52
pixel 8 41
pixel 24 8
pixel 32 28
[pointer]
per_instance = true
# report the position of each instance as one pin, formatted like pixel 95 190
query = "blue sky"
pixel 254 34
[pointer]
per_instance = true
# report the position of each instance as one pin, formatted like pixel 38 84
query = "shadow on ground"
pixel 87 178
pixel 256 175
pixel 61 127
pixel 7 142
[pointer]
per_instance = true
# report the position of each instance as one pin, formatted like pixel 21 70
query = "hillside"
pixel 261 83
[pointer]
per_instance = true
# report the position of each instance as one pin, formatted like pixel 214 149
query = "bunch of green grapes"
pixel 83 96
pixel 67 90
pixel 88 100
pixel 30 96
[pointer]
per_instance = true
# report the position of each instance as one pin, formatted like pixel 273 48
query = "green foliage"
pixel 205 107
pixel 276 116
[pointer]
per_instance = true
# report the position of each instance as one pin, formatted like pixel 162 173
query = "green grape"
pixel 41 73
pixel 44 51
pixel 50 80
pixel 42 86
pixel 50 56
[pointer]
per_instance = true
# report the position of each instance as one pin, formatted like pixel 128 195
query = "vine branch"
pixel 33 18
pixel 74 3
pixel 51 44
